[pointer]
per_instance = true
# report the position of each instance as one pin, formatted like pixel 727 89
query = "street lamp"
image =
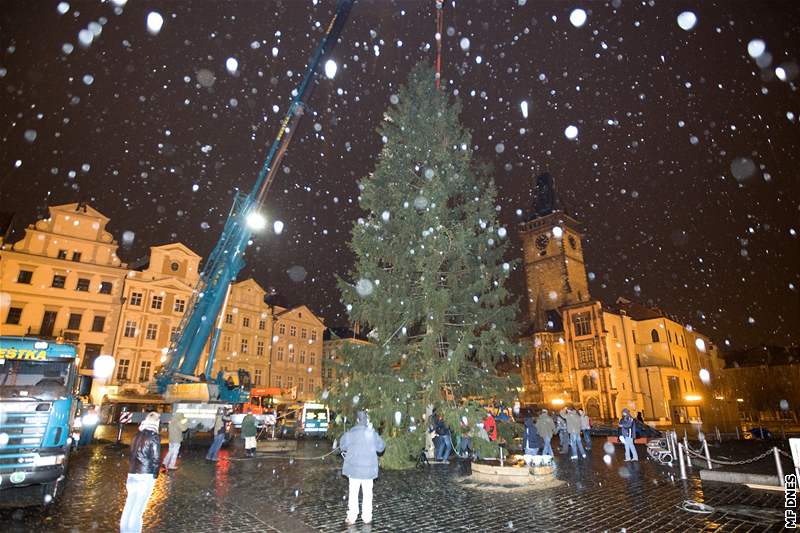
pixel 256 221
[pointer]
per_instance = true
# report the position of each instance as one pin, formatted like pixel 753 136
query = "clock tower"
pixel 553 253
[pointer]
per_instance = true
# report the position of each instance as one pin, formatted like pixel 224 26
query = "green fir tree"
pixel 429 279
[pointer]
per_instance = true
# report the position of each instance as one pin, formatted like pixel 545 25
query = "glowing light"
pixel 700 344
pixel 232 64
pixel 577 17
pixel 103 366
pixel 557 401
pixel 524 108
pixel 558 232
pixel 571 132
pixel 692 398
pixel 705 376
pixel 687 20
pixel 756 48
pixel 256 221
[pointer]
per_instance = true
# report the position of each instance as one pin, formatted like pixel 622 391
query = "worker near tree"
pixel 360 446
pixel 177 426
pixel 143 471
pixel 249 430
pixel 490 426
pixel 546 427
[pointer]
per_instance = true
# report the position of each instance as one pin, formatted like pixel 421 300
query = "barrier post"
pixel 737 433
pixel 681 461
pixel 686 447
pixel 778 465
pixel 719 436
pixel 708 454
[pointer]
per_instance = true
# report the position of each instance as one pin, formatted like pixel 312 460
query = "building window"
pixel 303 333
pixel 136 299
pixel 582 323
pixel 310 385
pixel 282 329
pixel 585 355
pixel 291 354
pixel 152 332
pixel 62 254
pixel 76 256
pixel 226 343
pixel 293 331
pixel 157 302
pixel 313 334
pixel 633 333
pixel 74 321
pixel 25 276
pixel 302 356
pixel 105 287
pixel 98 323
pixel 180 305
pixel 259 347
pixel 245 345
pixel 589 383
pixel 300 385
pixel 280 353
pixel 83 285
pixel 278 381
pixel 654 335
pixel 123 367
pixel 614 331
pixel 545 361
pixel 312 358
pixel 13 316
pixel 257 377
pixel 245 321
pixel 144 371
pixel 262 324
pixel 130 329
pixel 330 373
pixel 228 318
pixel 289 382
pixel 59 281
pixel 669 335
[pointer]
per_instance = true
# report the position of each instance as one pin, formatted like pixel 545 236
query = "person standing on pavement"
pixel 142 473
pixel 563 435
pixel 586 426
pixel 531 441
pixel 249 430
pixel 219 435
pixel 627 434
pixel 574 431
pixel 445 445
pixel 360 447
pixel 177 426
pixel 490 425
pixel 546 427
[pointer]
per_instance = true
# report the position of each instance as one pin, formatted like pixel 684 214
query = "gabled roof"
pixel 176 246
pixel 251 283
pixel 299 308
pixel 80 208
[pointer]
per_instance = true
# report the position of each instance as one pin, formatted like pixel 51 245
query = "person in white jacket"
pixel 360 446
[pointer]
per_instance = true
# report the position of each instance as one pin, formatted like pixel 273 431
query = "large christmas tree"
pixel 429 278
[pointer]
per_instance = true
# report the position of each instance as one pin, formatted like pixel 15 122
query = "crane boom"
pixel 226 259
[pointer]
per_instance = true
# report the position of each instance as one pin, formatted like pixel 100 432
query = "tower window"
pixel 654 335
pixel 582 323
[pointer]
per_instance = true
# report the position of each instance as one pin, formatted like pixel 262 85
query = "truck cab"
pixel 37 406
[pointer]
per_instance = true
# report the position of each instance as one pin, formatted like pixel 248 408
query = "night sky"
pixel 684 170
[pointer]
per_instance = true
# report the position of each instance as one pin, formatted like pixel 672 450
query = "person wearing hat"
pixel 143 470
pixel 360 446
pixel 177 426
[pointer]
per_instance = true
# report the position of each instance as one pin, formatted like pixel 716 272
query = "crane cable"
pixel 439 37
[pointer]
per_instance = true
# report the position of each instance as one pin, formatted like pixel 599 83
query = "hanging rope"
pixel 439 37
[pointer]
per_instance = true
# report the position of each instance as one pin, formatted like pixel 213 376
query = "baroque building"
pixel 606 357
pixel 64 279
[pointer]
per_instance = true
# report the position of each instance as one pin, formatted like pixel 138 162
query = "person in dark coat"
pixel 143 471
pixel 445 445
pixel 219 432
pixel 532 442
pixel 360 447
pixel 249 431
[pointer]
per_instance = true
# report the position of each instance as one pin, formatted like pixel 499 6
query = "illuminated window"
pixel 582 323
pixel 291 354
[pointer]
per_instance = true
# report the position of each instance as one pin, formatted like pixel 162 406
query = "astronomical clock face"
pixel 573 243
pixel 541 242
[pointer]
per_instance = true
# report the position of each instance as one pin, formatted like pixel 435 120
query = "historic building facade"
pixel 64 279
pixel 605 357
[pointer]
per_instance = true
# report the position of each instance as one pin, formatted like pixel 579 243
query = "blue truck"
pixel 38 401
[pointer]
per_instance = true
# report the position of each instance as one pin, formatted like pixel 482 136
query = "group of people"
pixel 573 429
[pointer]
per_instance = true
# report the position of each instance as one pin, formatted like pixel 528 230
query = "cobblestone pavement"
pixel 308 494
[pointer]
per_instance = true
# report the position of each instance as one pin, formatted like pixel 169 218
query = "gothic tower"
pixel 553 254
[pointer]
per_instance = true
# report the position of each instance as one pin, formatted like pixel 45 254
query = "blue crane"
pixel 227 258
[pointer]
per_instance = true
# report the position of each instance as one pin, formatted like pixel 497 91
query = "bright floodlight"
pixel 705 376
pixel 330 68
pixel 700 344
pixel 256 221
pixel 154 22
pixel 103 366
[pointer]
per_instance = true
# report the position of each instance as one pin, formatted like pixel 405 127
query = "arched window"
pixel 654 335
pixel 589 383
pixel 558 362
